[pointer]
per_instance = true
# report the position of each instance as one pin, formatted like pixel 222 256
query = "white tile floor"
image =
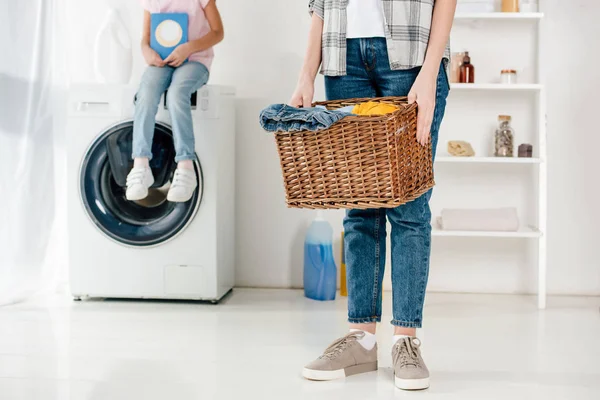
pixel 254 344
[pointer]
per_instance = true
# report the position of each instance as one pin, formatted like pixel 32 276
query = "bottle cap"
pixel 320 216
pixel 509 71
pixel 504 118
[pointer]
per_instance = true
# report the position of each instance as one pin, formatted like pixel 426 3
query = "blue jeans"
pixel 369 75
pixel 181 83
pixel 283 118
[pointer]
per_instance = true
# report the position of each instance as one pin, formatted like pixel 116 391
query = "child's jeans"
pixel 181 83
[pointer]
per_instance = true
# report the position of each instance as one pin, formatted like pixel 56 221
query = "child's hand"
pixel 152 58
pixel 178 56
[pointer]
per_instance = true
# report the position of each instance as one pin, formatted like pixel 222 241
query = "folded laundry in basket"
pixel 284 118
pixel 498 219
pixel 374 108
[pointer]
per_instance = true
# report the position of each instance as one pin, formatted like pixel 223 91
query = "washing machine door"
pixel 149 222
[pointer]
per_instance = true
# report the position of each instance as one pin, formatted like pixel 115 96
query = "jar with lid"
pixel 509 76
pixel 510 5
pixel 504 138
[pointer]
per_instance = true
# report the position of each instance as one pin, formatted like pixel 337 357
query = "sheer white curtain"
pixel 32 200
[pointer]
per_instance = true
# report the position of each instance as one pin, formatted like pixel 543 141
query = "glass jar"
pixel 509 76
pixel 504 138
pixel 510 5
pixel 457 61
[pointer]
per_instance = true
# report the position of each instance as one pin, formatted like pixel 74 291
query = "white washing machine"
pixel 151 249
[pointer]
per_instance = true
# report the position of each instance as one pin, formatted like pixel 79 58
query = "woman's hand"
pixel 152 58
pixel 178 56
pixel 304 93
pixel 423 92
pixel 305 90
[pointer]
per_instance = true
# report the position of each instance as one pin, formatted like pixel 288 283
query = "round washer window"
pixel 149 222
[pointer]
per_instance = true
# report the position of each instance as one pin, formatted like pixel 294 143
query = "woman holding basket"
pixel 379 48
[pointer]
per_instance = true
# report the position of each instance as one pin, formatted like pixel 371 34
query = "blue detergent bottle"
pixel 320 272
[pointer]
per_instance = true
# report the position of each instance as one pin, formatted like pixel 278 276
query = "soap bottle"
pixel 467 70
pixel 320 272
pixel 113 57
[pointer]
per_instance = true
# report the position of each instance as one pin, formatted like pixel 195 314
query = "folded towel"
pixel 498 219
pixel 460 148
pixel 284 118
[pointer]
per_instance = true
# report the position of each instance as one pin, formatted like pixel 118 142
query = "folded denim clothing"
pixel 497 219
pixel 284 118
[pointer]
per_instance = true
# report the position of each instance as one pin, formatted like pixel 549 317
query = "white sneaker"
pixel 138 182
pixel 183 186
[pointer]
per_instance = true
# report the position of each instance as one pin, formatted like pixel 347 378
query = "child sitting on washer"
pixel 183 72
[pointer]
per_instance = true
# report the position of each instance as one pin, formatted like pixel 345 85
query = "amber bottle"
pixel 467 70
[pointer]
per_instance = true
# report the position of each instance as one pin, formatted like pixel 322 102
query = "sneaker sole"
pixel 136 198
pixel 179 200
pixel 317 375
pixel 411 384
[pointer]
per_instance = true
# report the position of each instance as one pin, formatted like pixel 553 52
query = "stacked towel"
pixel 498 219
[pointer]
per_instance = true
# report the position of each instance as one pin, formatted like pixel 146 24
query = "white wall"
pixel 261 57
pixel 573 143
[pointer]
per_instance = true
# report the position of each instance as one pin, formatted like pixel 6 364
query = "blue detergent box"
pixel 167 31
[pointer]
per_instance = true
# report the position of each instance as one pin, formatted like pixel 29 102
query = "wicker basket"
pixel 359 162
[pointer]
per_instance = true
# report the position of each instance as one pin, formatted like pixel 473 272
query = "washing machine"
pixel 151 249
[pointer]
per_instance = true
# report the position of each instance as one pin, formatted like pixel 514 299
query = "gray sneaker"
pixel 342 358
pixel 409 368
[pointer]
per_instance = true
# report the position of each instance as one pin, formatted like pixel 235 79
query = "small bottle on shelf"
pixel 457 62
pixel 504 138
pixel 467 70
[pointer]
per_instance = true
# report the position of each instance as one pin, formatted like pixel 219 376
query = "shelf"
pixel 497 86
pixel 526 233
pixel 499 16
pixel 486 160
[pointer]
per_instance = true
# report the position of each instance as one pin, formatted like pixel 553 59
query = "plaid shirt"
pixel 407 26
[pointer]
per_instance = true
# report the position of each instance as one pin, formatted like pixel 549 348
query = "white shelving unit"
pixel 486 160
pixel 526 232
pixel 481 93
pixel 531 87
pixel 498 15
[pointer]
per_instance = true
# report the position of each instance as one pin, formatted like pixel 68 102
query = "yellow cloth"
pixel 374 108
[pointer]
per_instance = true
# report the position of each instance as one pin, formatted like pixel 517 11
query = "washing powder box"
pixel 167 31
